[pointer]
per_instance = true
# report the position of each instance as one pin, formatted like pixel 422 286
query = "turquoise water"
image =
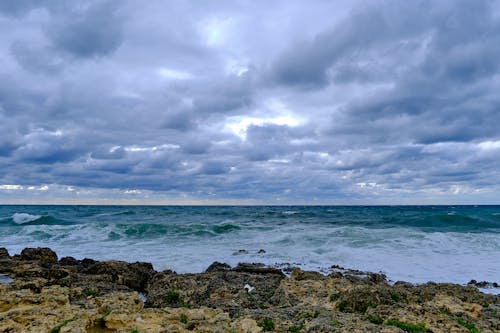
pixel 411 243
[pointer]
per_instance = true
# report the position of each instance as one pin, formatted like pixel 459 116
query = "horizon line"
pixel 241 205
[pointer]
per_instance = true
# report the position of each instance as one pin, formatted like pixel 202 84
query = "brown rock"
pixel 40 254
pixel 134 275
pixel 257 269
pixel 217 266
pixel 4 254
pixel 97 297
pixel 69 261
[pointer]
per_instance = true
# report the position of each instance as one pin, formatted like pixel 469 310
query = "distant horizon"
pixel 243 205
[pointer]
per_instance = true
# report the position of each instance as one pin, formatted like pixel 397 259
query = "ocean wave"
pixel 224 228
pixel 466 222
pixel 147 230
pixel 23 218
pixel 121 213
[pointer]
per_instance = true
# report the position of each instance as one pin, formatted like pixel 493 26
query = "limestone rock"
pixel 90 296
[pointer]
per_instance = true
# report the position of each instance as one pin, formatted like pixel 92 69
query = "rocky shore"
pixel 41 293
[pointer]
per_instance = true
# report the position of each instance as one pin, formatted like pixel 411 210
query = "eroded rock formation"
pixel 70 295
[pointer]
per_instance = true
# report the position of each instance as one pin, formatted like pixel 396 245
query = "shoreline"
pixel 485 286
pixel 46 292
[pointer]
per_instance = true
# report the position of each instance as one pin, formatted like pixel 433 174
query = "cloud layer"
pixel 250 102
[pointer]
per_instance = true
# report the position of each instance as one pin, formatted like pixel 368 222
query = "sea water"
pixel 410 243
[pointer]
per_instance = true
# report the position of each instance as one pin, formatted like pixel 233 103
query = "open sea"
pixel 411 243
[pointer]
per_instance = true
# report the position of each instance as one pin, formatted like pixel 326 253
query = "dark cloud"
pixel 88 29
pixel 327 103
pixel 20 7
pixel 307 63
pixel 43 146
pixel 37 59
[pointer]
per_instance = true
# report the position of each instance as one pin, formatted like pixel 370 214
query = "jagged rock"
pixel 134 275
pixel 36 271
pixel 483 284
pixel 360 298
pixel 4 254
pixel 223 289
pixel 299 274
pixel 40 254
pixel 97 297
pixel 257 269
pixel 69 261
pixel 376 278
pixel 335 275
pixel 87 262
pixel 217 266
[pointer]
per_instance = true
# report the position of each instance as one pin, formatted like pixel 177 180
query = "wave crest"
pixel 22 218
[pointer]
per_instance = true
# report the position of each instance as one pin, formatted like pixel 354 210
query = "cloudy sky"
pixel 274 102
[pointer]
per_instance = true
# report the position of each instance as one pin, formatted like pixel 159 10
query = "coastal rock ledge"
pixel 41 293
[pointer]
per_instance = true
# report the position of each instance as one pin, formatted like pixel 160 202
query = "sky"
pixel 250 102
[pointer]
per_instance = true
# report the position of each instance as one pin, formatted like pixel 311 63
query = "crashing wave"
pixel 22 218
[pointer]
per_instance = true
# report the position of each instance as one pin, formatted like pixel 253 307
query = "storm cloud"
pixel 250 102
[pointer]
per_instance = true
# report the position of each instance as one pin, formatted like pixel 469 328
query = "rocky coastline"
pixel 40 292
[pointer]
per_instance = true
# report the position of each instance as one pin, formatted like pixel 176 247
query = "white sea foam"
pixel 22 218
pixel 406 254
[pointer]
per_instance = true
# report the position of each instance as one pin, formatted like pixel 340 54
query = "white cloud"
pixel 173 74
pixel 238 125
pixel 134 148
pixel 132 192
pixel 489 145
pixel 215 30
pixel 11 187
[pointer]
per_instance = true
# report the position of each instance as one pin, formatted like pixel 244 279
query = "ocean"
pixel 410 243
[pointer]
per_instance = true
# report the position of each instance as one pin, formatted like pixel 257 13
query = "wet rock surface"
pixel 71 295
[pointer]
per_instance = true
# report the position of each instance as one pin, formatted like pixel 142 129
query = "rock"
pixel 457 307
pixel 40 254
pixel 222 289
pixel 335 275
pixel 257 269
pixel 134 276
pixel 34 270
pixel 299 274
pixel 4 254
pixel 403 284
pixel 483 284
pixel 261 251
pixel 87 262
pixel 377 278
pixel 360 298
pixel 217 267
pixel 97 297
pixel 69 261
pixel 247 326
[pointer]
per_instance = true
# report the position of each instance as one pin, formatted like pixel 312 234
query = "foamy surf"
pixel 22 218
pixel 414 244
